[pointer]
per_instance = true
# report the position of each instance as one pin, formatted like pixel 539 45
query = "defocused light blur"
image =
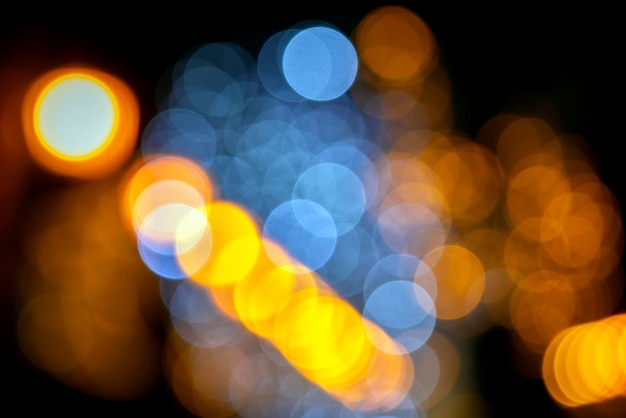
pixel 14 158
pixel 584 364
pixel 87 301
pixel 350 222
pixel 319 63
pixel 395 44
pixel 80 122
pixel 322 238
pixel 241 269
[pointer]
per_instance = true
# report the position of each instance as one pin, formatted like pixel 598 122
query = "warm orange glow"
pixel 571 230
pixel 395 44
pixel 600 372
pixel 549 370
pixel 87 296
pixel 524 140
pixel 530 192
pixel 90 140
pixel 542 305
pixel 420 194
pixel 200 378
pixel 460 280
pixel 472 182
pixel 181 174
pixel 55 332
pixel 584 364
pixel 487 244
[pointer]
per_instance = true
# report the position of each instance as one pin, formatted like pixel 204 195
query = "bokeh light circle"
pixel 405 311
pixel 305 229
pixel 80 122
pixel 320 63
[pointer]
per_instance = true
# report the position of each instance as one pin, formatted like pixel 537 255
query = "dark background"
pixel 526 57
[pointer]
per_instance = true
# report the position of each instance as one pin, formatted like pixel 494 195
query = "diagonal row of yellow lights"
pixel 81 122
pixel 219 246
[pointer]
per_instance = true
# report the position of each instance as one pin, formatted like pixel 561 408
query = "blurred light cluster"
pixel 86 299
pixel 325 241
pixel 585 363
pixel 564 241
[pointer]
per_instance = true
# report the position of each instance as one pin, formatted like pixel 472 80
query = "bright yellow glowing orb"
pixel 75 116
pixel 80 122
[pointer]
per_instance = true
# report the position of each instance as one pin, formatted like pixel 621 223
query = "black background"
pixel 519 56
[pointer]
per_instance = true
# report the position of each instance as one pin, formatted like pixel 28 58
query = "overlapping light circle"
pixel 319 63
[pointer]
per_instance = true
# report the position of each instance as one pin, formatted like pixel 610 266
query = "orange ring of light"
pixel 108 156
